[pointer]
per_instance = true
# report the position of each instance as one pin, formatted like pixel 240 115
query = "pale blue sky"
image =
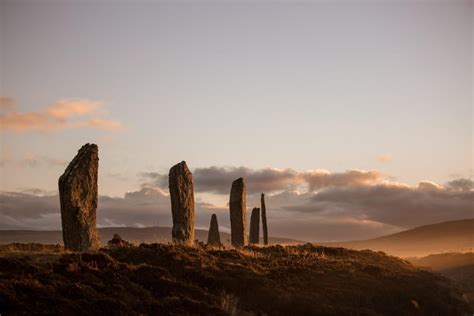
pixel 320 84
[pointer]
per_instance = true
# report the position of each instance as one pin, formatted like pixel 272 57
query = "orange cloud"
pixel 7 103
pixel 64 114
pixel 318 179
pixel 64 109
pixel 429 185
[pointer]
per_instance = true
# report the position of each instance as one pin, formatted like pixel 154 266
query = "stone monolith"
pixel 78 200
pixel 118 242
pixel 182 204
pixel 238 219
pixel 214 239
pixel 254 227
pixel 264 220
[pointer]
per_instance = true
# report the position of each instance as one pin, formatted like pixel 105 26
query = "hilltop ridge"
pixel 451 236
pixel 170 279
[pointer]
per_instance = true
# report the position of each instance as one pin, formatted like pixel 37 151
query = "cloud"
pixel 319 179
pixel 395 205
pixel 429 185
pixel 65 109
pixel 384 157
pixel 461 184
pixel 23 206
pixel 64 114
pixel 219 179
pixel 32 209
pixel 362 209
pixel 7 103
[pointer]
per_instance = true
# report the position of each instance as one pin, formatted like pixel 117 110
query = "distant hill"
pixel 445 261
pixel 453 236
pixel 456 266
pixel 131 234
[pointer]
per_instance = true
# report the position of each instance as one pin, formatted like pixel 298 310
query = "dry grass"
pixel 170 280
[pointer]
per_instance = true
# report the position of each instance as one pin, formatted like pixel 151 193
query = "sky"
pixel 354 117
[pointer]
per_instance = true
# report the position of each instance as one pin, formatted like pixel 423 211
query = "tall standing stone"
pixel 214 239
pixel 238 219
pixel 78 200
pixel 264 220
pixel 182 203
pixel 254 227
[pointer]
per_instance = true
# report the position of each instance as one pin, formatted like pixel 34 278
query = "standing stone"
pixel 214 239
pixel 254 227
pixel 182 204
pixel 238 219
pixel 264 220
pixel 78 200
pixel 118 242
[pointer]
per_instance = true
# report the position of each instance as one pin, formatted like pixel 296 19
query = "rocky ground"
pixel 177 280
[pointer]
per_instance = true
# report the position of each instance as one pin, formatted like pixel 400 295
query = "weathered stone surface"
pixel 78 200
pixel 182 203
pixel 264 220
pixel 254 227
pixel 214 239
pixel 118 242
pixel 238 210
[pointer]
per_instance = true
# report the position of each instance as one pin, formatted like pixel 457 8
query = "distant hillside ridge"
pixel 132 234
pixel 452 236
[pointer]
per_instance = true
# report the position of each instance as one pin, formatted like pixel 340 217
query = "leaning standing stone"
pixel 182 204
pixel 78 200
pixel 238 205
pixel 214 239
pixel 254 227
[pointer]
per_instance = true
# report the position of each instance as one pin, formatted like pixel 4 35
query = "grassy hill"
pixel 169 280
pixel 453 236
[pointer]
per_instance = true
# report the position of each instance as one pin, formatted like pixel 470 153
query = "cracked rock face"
pixel 78 200
pixel 238 207
pixel 214 239
pixel 264 220
pixel 182 203
pixel 254 227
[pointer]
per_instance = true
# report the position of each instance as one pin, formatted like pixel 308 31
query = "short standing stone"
pixel 182 204
pixel 264 220
pixel 214 239
pixel 238 206
pixel 78 200
pixel 254 227
pixel 118 242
